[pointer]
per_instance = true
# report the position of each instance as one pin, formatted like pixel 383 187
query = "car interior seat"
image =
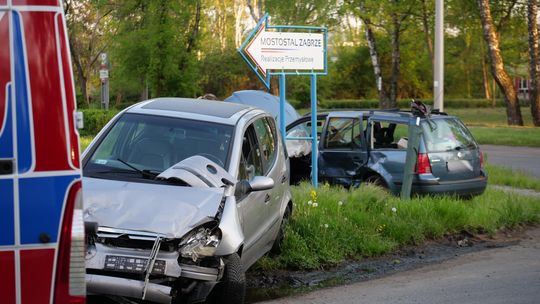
pixel 152 153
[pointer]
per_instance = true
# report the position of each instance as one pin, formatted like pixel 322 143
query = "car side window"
pixel 386 135
pixel 251 157
pixel 267 142
pixel 343 134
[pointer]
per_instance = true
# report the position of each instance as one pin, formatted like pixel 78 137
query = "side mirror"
pixel 259 183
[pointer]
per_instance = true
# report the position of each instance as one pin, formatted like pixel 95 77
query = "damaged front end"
pixel 162 243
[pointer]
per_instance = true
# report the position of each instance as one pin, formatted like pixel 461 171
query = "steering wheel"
pixel 213 158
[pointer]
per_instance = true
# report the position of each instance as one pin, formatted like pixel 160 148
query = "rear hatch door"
pixel 454 154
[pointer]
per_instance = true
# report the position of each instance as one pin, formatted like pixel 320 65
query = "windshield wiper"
pixel 145 172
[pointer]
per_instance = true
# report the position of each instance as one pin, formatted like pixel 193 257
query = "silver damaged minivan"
pixel 184 196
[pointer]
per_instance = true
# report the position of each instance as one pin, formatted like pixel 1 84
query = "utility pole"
pixel 438 68
pixel 104 76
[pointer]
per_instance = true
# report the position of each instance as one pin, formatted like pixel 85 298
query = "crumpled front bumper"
pixel 101 278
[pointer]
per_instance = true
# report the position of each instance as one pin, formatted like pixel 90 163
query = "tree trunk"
pixel 487 92
pixel 274 86
pixel 195 29
pixel 504 81
pixel 80 72
pixel 427 34
pixel 534 61
pixel 396 58
pixel 376 62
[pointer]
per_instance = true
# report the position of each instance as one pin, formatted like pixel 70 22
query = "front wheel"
pixel 232 287
pixel 277 247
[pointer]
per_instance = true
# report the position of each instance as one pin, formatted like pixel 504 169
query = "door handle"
pixel 283 178
pixel 267 198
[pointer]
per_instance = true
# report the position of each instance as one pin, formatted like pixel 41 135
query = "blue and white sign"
pixel 283 50
pixel 287 50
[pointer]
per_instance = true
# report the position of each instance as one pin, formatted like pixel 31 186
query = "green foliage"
pixel 224 73
pixel 152 48
pixel 95 120
pixel 85 141
pixel 370 222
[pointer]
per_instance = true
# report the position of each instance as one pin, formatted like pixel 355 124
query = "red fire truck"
pixel 41 226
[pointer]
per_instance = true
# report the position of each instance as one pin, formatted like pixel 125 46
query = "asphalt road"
pixel 507 275
pixel 518 158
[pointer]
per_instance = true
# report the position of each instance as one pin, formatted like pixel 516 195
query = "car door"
pixel 253 206
pixel 277 170
pixel 342 149
pixel 387 139
pixel 299 151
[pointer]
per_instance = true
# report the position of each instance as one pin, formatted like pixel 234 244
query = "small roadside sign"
pixel 103 74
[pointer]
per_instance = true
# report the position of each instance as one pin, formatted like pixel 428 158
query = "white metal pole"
pixel 438 69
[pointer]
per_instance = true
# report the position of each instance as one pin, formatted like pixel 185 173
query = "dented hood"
pixel 164 209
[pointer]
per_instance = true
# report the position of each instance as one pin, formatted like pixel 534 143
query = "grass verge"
pixel 507 136
pixel 85 141
pixel 369 222
pixel 503 176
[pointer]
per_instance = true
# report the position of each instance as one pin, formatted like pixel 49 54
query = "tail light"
pixel 70 282
pixel 422 164
pixel 481 159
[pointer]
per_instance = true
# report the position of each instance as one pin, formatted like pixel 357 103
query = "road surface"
pixel 508 275
pixel 518 158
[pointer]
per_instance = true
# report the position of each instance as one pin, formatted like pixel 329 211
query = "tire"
pixel 232 287
pixel 277 247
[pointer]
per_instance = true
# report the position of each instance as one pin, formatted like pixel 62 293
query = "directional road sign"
pixel 287 50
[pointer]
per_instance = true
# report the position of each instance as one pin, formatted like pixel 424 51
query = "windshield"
pixel 146 145
pixel 446 134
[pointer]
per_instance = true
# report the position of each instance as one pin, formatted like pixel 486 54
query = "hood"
pixel 164 209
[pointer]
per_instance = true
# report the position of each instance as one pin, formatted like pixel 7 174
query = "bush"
pixel 95 120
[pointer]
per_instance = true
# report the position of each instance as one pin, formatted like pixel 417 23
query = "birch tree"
pixel 491 36
pixel 534 61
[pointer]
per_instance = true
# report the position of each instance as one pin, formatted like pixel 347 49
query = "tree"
pixel 389 16
pixel 376 62
pixel 534 61
pixel 88 37
pixel 491 36
pixel 155 49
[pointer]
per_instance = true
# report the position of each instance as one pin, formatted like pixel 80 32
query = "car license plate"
pixel 132 264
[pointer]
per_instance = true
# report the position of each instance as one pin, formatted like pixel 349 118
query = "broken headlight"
pixel 201 242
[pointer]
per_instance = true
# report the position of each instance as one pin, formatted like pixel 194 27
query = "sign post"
pixel 289 50
pixel 104 76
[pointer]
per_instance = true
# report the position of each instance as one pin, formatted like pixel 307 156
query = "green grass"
pixel 507 136
pixel 507 177
pixel 365 225
pixel 85 141
pixel 488 117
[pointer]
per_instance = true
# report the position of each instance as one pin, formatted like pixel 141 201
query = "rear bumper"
pixel 470 187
